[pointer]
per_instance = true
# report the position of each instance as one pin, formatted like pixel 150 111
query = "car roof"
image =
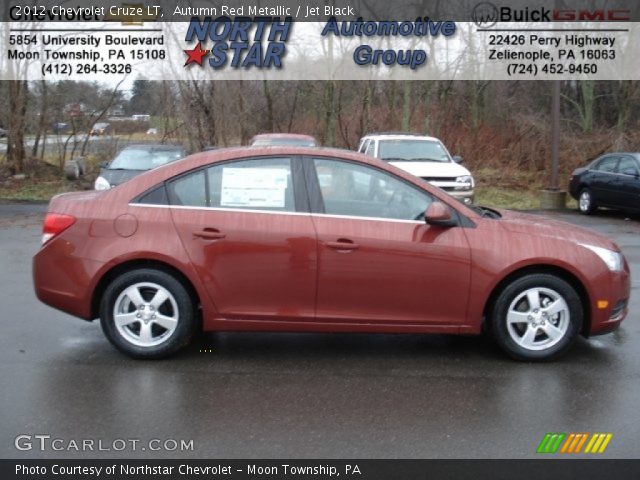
pixel 154 146
pixel 200 159
pixel 300 136
pixel 400 136
pixel 633 154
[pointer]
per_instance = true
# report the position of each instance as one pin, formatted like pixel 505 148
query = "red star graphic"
pixel 195 55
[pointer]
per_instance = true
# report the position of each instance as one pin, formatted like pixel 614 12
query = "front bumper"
pixel 616 294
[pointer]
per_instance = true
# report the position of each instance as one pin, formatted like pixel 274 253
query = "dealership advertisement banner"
pixel 350 40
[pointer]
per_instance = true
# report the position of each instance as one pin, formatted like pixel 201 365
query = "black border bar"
pixel 552 469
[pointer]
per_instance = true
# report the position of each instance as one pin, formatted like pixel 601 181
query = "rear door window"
pixel 256 184
pixel 627 165
pixel 189 190
pixel 262 184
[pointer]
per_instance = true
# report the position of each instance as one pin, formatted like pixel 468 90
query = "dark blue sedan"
pixel 611 181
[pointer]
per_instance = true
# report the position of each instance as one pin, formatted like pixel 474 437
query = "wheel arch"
pixel 135 264
pixel 560 272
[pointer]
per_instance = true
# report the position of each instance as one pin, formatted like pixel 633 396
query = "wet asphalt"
pixel 304 395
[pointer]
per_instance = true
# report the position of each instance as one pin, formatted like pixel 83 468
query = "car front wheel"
pixel 147 313
pixel 536 317
pixel 585 202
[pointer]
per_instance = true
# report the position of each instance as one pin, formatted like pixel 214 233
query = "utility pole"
pixel 555 135
pixel 553 197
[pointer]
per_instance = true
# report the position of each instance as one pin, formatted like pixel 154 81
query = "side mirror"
pixel 457 159
pixel 104 164
pixel 439 214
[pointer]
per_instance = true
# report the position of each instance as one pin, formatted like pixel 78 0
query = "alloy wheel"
pixel 538 318
pixel 146 314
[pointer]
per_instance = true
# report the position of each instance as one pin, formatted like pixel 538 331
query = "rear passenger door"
pixel 246 227
pixel 603 182
pixel 628 183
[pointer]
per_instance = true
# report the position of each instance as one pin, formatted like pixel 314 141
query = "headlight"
pixel 466 182
pixel 101 184
pixel 613 260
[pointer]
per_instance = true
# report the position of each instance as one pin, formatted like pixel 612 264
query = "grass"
pixel 511 188
pixel 30 190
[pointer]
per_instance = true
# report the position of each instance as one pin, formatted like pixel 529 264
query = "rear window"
pixel 144 158
pixel 293 142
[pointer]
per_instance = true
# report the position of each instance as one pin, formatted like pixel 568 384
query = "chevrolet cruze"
pixel 318 240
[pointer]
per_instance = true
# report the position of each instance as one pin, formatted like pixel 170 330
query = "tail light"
pixel 55 224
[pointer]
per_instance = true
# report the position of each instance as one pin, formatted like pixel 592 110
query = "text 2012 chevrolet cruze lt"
pixel 304 239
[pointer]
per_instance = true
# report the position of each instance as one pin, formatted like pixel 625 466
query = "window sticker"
pixel 254 187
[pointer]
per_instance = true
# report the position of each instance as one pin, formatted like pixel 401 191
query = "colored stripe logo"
pixel 574 443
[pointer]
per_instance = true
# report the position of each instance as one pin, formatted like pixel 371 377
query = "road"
pixel 55 143
pixel 305 395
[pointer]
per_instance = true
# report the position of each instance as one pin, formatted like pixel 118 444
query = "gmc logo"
pixel 592 15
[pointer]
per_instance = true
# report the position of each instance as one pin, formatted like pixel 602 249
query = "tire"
pixel 536 330
pixel 586 205
pixel 165 323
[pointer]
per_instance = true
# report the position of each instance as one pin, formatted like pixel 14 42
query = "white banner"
pixel 420 50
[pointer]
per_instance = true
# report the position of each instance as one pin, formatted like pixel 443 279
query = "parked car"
pixel 283 139
pixel 135 159
pixel 324 240
pixel 60 127
pixel 152 131
pixel 612 181
pixel 423 156
pixel 101 128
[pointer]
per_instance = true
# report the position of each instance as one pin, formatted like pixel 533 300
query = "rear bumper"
pixel 605 320
pixel 64 281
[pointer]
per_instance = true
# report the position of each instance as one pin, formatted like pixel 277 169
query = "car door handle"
pixel 343 244
pixel 209 234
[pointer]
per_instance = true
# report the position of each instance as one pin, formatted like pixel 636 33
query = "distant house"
pixel 117 111
pixel 76 109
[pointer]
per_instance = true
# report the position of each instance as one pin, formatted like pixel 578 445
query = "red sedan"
pixel 308 239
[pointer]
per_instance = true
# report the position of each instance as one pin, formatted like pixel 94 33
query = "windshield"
pixel 143 158
pixel 412 150
pixel 294 142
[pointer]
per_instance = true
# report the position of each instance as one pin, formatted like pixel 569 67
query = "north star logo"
pixel 195 55
pixel 241 42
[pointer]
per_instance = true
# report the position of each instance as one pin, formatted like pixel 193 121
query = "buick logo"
pixel 485 14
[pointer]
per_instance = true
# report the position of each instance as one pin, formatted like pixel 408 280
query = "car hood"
pixel 536 225
pixel 432 169
pixel 116 177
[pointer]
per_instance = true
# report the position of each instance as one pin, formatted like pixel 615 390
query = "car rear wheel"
pixel 536 317
pixel 147 313
pixel 585 202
